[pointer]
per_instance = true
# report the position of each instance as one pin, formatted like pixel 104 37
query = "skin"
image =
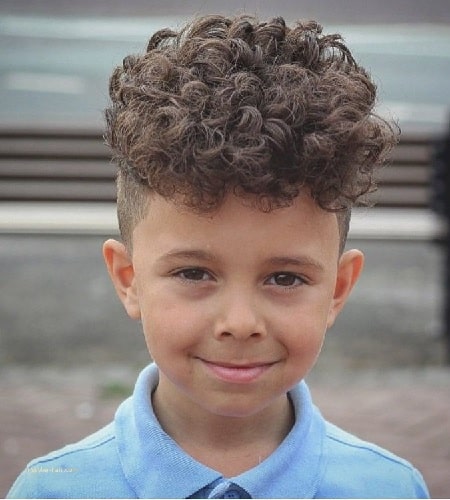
pixel 234 307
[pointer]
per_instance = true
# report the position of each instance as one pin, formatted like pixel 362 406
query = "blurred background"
pixel 68 353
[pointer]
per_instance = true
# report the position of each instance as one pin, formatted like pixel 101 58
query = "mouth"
pixel 237 373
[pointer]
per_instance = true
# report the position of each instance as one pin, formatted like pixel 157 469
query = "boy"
pixel 241 147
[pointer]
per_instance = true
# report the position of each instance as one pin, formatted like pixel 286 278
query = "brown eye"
pixel 285 280
pixel 194 274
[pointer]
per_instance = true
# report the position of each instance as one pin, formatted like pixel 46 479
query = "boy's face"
pixel 234 305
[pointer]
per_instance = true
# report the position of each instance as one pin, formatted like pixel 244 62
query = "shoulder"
pixel 86 469
pixel 359 466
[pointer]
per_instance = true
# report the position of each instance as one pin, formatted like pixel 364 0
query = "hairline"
pixel 141 203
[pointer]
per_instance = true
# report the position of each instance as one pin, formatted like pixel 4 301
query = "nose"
pixel 240 317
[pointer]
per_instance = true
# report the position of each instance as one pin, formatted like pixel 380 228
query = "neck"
pixel 230 445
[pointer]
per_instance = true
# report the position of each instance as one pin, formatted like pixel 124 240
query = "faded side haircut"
pixel 258 109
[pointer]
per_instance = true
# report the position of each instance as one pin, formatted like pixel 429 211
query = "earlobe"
pixel 121 271
pixel 349 269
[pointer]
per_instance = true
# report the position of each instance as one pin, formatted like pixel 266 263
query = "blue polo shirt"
pixel 134 458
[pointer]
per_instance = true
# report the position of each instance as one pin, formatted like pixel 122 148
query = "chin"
pixel 238 409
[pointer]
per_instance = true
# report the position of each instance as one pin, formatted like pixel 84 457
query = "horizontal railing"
pixel 72 168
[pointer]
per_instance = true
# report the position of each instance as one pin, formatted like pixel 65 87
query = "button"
pixel 231 493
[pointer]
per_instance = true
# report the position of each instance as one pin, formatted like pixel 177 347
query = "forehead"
pixel 237 226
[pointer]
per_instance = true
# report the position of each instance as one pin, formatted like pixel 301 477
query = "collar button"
pixel 231 493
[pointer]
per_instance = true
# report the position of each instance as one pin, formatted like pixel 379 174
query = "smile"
pixel 237 374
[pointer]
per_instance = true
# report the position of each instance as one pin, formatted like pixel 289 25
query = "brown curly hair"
pixel 235 105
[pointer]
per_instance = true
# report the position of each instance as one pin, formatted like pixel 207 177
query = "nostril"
pixel 226 334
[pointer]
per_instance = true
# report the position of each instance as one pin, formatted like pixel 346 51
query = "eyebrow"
pixel 189 254
pixel 202 255
pixel 297 261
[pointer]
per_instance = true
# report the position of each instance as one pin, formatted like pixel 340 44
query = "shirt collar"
pixel 156 467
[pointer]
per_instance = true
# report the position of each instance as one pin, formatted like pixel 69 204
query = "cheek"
pixel 304 345
pixel 169 325
pixel 306 340
pixel 302 328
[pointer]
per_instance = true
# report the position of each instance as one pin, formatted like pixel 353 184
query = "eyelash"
pixel 182 274
pixel 299 280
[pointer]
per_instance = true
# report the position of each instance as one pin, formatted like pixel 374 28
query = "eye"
pixel 193 274
pixel 287 280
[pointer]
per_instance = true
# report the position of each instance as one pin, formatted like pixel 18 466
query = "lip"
pixel 237 373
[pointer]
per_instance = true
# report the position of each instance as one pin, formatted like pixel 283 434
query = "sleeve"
pixel 25 486
pixel 420 488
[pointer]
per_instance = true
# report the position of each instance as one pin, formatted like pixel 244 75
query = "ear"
pixel 121 272
pixel 349 269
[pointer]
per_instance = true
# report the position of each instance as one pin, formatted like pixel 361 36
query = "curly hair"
pixel 248 107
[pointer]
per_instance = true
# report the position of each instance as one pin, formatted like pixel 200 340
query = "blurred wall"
pixel 336 11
